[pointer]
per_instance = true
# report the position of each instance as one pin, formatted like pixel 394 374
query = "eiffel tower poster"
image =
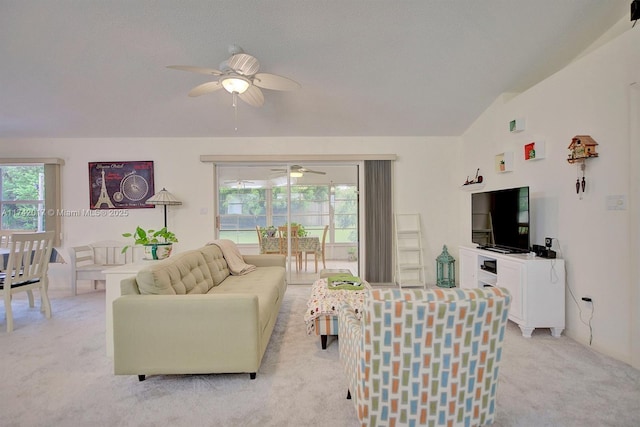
pixel 120 185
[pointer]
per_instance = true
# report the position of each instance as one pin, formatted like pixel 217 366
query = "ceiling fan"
pixel 296 171
pixel 239 183
pixel 239 76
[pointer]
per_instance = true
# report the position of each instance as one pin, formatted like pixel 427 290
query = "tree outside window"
pixel 22 197
pixel 313 206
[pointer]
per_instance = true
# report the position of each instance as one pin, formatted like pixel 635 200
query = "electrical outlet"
pixel 548 242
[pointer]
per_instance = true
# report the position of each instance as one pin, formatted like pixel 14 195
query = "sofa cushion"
pixel 183 273
pixel 267 283
pixel 215 262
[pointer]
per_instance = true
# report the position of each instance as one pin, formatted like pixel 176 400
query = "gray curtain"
pixel 378 221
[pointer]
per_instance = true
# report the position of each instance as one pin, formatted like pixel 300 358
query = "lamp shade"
pixel 235 84
pixel 163 197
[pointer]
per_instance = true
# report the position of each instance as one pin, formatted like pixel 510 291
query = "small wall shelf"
pixel 516 125
pixel 534 150
pixel 473 187
pixel 504 162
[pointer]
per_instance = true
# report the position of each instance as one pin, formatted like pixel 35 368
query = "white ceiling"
pixel 97 68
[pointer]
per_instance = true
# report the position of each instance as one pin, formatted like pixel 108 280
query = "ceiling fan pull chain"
pixel 235 110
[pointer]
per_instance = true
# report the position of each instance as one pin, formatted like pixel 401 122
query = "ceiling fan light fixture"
pixel 295 174
pixel 235 84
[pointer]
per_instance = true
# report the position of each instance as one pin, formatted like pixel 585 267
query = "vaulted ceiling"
pixel 97 68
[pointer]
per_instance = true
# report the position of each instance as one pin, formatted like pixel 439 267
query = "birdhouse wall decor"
pixel 581 148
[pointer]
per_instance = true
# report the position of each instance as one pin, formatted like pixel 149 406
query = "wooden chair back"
pixel 283 231
pixel 26 269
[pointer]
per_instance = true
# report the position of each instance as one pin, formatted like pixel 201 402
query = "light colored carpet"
pixel 55 373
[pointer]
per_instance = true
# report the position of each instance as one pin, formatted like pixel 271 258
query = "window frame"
pixel 52 193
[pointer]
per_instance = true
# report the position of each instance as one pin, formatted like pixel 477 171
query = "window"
pixel 313 206
pixel 241 210
pixel 22 197
pixel 30 195
pixel 346 214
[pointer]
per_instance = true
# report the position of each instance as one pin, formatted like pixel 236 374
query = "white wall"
pixel 423 181
pixel 590 96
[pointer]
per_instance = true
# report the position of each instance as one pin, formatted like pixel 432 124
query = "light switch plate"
pixel 616 202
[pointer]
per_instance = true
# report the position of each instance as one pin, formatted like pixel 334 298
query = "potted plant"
pixel 154 247
pixel 352 254
pixel 269 231
pixel 301 231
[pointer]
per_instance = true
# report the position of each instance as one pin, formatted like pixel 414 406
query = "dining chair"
pixel 295 251
pixel 259 232
pixel 5 238
pixel 320 252
pixel 260 243
pixel 26 270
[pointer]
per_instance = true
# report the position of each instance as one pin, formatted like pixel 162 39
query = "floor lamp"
pixel 164 198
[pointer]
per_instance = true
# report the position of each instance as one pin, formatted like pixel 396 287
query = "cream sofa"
pixel 188 315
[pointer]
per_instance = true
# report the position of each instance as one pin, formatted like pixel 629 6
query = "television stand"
pixel 502 250
pixel 536 285
pixel 498 250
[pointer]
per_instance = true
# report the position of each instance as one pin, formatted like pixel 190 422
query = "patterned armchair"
pixel 425 357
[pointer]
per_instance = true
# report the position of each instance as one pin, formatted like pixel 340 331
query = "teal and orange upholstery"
pixel 425 357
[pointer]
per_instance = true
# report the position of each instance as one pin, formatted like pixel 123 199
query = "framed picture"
pixel 120 185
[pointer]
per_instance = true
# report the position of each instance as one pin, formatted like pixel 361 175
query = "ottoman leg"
pixel 323 341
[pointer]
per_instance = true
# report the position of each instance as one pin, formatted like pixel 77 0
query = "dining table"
pixel 270 245
pixel 305 244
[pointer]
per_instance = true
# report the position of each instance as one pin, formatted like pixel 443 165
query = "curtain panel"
pixel 378 221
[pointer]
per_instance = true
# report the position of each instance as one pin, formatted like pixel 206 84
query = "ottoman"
pixel 321 317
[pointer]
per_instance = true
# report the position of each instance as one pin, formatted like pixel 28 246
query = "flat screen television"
pixel 500 220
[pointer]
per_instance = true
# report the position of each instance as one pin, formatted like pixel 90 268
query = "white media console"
pixel 537 285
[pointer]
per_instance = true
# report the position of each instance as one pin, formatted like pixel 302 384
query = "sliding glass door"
pixel 254 200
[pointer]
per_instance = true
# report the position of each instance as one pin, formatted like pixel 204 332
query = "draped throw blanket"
pixel 232 255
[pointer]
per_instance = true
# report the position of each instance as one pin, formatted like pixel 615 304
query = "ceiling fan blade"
pixel 205 88
pixel 244 64
pixel 253 96
pixel 274 82
pixel 199 70
pixel 299 168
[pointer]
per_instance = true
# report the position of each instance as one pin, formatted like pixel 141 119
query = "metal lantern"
pixel 445 268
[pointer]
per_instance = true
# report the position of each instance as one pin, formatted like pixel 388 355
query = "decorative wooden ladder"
pixel 409 256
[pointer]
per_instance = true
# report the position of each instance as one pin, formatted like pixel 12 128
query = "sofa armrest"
pixel 266 260
pixel 156 334
pixel 129 286
pixel 350 333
